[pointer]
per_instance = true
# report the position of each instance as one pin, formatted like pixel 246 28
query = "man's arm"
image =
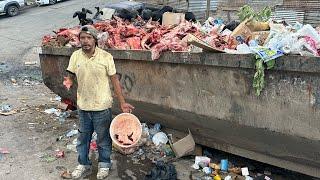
pixel 125 107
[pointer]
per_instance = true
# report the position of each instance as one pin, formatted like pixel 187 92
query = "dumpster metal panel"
pixel 212 95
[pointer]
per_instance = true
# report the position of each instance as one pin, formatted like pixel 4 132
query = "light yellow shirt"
pixel 93 93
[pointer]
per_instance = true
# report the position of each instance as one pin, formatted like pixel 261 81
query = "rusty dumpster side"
pixel 211 94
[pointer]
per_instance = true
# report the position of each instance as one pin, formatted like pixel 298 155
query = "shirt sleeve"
pixel 111 70
pixel 72 64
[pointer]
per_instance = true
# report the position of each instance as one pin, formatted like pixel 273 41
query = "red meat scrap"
pixel 134 42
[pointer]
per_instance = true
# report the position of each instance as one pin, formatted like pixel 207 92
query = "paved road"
pixel 21 35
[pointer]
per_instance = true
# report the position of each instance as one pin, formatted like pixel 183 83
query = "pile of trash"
pixel 64 109
pixel 153 145
pixel 257 33
pixel 137 35
pixel 224 170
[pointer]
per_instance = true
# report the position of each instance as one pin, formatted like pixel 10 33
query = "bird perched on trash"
pixel 157 15
pixel 146 14
pixel 189 16
pixel 82 16
pixel 127 14
pixel 98 13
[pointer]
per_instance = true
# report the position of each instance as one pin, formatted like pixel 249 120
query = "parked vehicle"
pixel 46 2
pixel 11 7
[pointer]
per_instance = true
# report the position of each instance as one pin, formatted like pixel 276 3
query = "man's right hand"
pixel 67 82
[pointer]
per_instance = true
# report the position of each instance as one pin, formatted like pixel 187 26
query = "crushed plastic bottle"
pixel 62 116
pixel 156 128
pixel 94 136
pixel 160 138
pixel 5 108
pixel 207 170
pixel 72 133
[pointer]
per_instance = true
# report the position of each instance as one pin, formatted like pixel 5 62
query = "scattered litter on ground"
pixel 59 153
pixel 66 175
pixel 52 111
pixel 60 115
pixel 7 110
pixel 30 63
pixel 162 170
pixel 56 98
pixel 156 128
pixel 93 146
pixel 72 133
pixel 160 138
pixel 14 81
pixel 245 171
pixel 4 151
pixel 47 158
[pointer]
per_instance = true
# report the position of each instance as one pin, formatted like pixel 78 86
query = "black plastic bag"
pixel 162 171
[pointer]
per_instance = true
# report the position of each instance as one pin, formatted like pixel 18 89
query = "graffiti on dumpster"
pixel 127 82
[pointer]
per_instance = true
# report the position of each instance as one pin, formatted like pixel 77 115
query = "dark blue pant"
pixel 98 121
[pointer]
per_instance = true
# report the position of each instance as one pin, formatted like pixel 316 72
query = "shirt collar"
pixel 94 54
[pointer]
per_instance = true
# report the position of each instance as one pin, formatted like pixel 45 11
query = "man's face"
pixel 87 41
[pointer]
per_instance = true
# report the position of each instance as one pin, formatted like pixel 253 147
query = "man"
pixel 92 67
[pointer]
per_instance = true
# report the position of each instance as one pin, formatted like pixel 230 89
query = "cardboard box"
pixel 169 18
pixel 107 13
pixel 243 31
pixel 260 37
pixel 191 39
pixel 184 146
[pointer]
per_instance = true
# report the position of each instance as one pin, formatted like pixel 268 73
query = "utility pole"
pixel 208 9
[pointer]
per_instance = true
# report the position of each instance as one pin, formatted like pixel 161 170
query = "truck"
pixel 211 95
pixel 46 2
pixel 11 7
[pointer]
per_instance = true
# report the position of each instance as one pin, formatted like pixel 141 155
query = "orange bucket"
pixel 125 130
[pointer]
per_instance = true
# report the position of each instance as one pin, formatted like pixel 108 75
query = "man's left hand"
pixel 126 107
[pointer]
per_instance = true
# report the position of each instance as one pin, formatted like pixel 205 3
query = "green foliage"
pixel 246 12
pixel 258 79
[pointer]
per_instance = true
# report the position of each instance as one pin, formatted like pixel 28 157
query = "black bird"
pixel 126 14
pixel 146 14
pixel 97 13
pixel 157 15
pixel 231 25
pixel 82 16
pixel 189 16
